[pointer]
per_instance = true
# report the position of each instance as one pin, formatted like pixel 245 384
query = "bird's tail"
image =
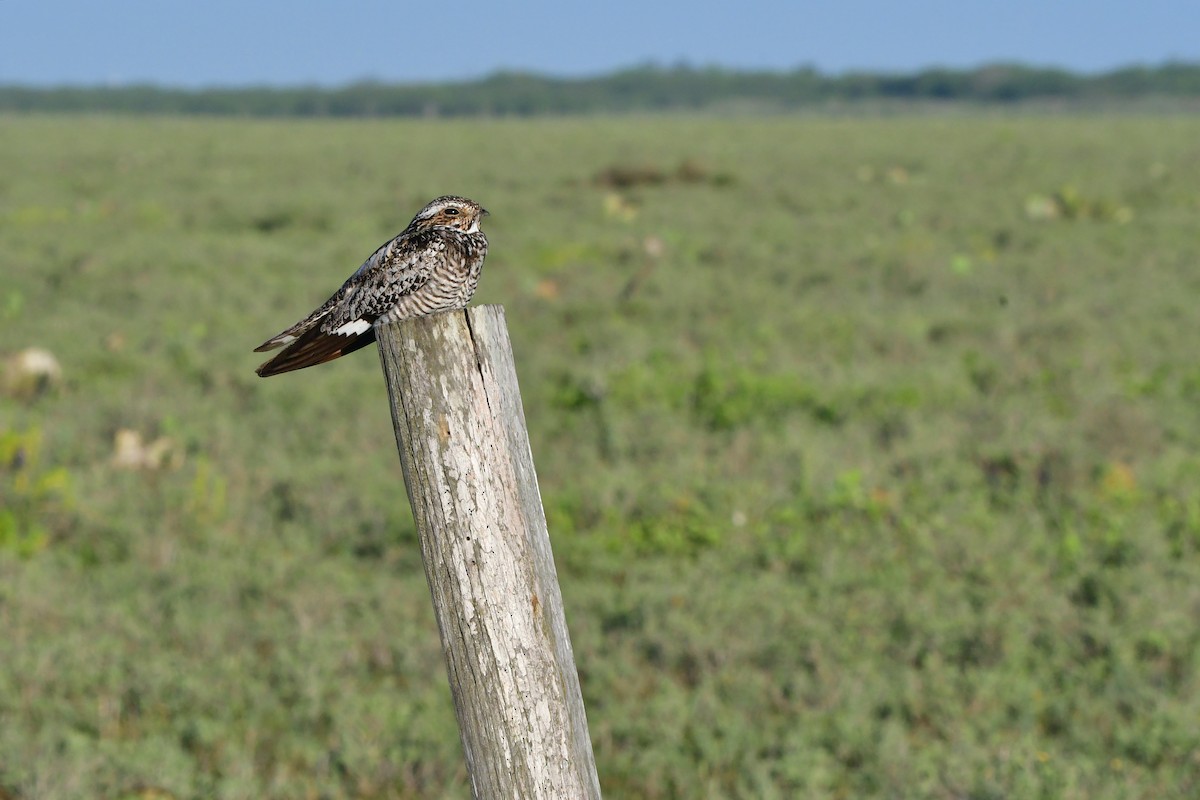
pixel 310 348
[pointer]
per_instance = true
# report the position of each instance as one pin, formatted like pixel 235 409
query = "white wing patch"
pixel 353 328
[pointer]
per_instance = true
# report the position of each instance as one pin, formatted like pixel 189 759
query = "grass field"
pixel 870 450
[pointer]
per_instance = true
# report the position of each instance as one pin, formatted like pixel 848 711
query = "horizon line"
pixel 646 66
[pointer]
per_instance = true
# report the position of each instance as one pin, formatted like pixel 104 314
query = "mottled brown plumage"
pixel 433 265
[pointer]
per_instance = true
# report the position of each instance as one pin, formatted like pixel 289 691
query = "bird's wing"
pixel 345 322
pixel 294 332
pixel 315 346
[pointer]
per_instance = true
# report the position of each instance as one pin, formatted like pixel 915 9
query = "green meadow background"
pixel 870 451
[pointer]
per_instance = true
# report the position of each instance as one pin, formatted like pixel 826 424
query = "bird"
pixel 432 265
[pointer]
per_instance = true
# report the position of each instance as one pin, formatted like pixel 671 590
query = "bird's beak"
pixel 483 212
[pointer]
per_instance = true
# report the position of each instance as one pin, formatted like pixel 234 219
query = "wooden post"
pixel 469 472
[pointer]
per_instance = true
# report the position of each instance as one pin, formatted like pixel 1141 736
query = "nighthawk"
pixel 433 265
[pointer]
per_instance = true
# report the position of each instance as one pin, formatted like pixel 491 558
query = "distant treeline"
pixel 647 88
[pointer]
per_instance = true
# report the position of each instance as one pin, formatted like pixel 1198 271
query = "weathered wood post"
pixel 464 449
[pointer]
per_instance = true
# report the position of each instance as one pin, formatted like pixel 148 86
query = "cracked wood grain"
pixel 468 468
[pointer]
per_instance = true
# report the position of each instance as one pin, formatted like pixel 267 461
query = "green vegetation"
pixel 644 88
pixel 870 451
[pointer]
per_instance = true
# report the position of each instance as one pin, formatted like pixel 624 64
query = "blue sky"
pixel 240 42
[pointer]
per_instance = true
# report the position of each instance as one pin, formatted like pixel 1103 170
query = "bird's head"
pixel 451 212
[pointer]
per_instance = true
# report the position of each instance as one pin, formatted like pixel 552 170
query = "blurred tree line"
pixel 644 88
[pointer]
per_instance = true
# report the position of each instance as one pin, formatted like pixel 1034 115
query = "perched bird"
pixel 433 265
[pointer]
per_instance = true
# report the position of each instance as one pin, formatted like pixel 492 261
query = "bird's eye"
pixel 450 212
